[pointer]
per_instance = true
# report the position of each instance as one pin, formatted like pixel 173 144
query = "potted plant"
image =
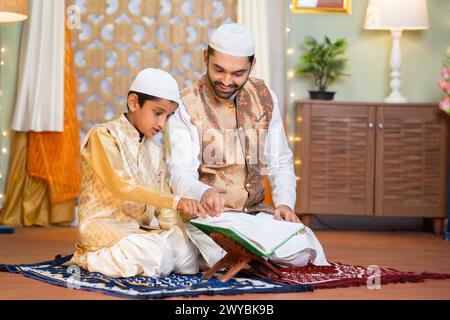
pixel 324 61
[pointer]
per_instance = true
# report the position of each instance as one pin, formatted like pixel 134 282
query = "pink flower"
pixel 444 105
pixel 444 85
pixel 445 73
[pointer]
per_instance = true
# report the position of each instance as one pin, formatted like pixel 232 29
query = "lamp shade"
pixel 13 10
pixel 396 15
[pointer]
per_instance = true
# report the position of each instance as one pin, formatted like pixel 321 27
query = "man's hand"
pixel 283 212
pixel 191 208
pixel 213 202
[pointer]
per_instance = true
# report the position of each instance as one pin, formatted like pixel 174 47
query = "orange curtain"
pixel 54 156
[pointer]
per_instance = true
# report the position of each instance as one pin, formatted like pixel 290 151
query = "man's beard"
pixel 224 95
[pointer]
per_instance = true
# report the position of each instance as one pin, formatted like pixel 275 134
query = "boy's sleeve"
pixel 103 156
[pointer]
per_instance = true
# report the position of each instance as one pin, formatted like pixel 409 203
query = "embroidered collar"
pixel 131 130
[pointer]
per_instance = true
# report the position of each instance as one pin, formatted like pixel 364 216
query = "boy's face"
pixel 152 116
pixel 226 73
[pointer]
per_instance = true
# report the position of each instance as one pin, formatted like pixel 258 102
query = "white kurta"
pixel 185 144
pixel 184 180
pixel 150 255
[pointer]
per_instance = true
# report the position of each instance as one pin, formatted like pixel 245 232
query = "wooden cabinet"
pixel 372 159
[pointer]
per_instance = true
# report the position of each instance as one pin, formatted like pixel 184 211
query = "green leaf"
pixel 323 60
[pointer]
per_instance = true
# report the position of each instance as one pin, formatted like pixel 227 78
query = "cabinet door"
pixel 337 159
pixel 411 161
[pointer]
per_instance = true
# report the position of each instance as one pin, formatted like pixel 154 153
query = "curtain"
pixel 40 96
pixel 44 175
pixel 266 20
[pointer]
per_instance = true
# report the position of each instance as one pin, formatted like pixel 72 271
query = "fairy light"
pixel 290 51
pixel 4 132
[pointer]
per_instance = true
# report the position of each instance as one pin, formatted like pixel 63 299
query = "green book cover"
pixel 241 239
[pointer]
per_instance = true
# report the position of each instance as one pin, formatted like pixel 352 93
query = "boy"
pixel 124 187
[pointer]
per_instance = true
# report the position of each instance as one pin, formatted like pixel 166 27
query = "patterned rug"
pixel 296 279
pixel 340 275
pixel 173 285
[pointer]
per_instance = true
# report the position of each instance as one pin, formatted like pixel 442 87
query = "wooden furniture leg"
pixel 237 259
pixel 438 226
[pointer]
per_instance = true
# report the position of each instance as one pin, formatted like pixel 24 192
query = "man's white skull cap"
pixel 233 39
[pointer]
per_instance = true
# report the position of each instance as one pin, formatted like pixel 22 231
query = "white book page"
pixel 265 232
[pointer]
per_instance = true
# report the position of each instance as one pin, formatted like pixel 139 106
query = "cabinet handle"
pixel 381 126
pixel 370 125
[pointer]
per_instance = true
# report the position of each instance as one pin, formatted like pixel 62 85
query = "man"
pixel 228 133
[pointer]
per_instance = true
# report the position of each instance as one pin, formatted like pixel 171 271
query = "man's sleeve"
pixel 103 156
pixel 182 156
pixel 279 161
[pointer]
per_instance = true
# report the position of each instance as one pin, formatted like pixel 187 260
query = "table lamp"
pixel 396 16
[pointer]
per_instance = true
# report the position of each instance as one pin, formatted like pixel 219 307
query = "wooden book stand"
pixel 236 259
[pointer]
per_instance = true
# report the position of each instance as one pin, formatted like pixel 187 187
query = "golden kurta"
pixel 123 186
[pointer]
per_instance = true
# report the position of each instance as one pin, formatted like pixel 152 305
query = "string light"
pixel 290 51
pixel 4 132
pixel 290 74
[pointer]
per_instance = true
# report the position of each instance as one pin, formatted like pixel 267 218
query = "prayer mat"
pixel 174 285
pixel 340 275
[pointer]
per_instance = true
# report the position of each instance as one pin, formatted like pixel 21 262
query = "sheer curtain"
pixel 266 20
pixel 40 96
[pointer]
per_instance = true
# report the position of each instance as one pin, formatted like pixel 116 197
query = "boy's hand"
pixel 192 208
pixel 213 202
pixel 285 213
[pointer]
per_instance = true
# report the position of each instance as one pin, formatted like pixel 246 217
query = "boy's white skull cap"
pixel 157 83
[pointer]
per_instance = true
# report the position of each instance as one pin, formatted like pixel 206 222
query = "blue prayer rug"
pixel 174 285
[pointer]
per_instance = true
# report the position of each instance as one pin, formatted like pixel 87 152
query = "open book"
pixel 261 235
